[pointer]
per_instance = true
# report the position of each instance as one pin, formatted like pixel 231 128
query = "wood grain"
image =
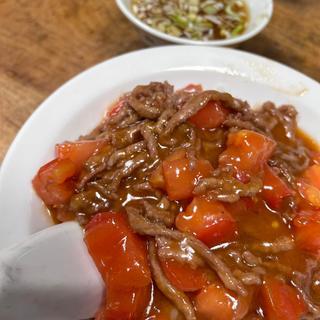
pixel 43 43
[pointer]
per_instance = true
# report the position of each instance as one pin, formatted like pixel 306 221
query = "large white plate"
pixel 79 105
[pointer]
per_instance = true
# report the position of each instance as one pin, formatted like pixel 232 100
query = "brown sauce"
pixel 259 227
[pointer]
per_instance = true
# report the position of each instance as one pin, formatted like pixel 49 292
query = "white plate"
pixel 79 105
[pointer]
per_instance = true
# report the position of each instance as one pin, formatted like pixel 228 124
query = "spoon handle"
pixel 50 276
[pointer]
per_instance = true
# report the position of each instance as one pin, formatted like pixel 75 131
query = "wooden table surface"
pixel 43 43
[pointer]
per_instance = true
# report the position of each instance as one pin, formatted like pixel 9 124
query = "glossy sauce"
pixel 258 225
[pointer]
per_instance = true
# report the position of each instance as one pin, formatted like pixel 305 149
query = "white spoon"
pixel 50 276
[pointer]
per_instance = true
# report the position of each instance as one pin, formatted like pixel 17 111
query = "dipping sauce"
pixel 194 19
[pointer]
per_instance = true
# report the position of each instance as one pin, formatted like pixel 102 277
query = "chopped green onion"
pixel 194 19
pixel 210 9
pixel 237 30
pixel 173 30
pixel 180 21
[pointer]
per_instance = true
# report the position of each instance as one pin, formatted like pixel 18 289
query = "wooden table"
pixel 43 43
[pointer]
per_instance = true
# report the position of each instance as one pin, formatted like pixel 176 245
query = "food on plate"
pixel 194 206
pixel 194 19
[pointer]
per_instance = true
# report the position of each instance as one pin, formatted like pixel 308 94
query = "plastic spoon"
pixel 50 276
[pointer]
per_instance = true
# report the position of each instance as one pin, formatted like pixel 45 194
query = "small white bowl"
pixel 260 13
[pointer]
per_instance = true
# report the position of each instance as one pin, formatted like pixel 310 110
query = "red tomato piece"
pixel 209 221
pixel 211 116
pixel 164 308
pixel 316 157
pixel 121 257
pixel 247 152
pixel 116 108
pixel 63 214
pixel 52 182
pixel 156 178
pixel 216 302
pixel 180 179
pixel 312 175
pixel 183 277
pixel 309 193
pixel 274 188
pixel 78 152
pixel 117 251
pixel 124 303
pixel 307 231
pixel 309 186
pixel 281 301
pixel 193 88
pixel 176 155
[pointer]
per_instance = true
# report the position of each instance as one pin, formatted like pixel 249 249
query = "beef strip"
pixel 164 203
pixel 285 115
pixel 250 259
pixel 132 117
pixel 226 188
pixel 88 201
pixel 284 170
pixel 198 101
pixel 143 187
pixel 121 115
pixel 127 169
pixel 156 214
pixel 123 137
pixel 178 298
pixel 303 282
pixel 124 153
pixel 109 161
pixel 164 117
pixel 179 251
pixel 143 226
pixel 235 121
pixel 248 278
pixel 296 157
pixel 150 100
pixel 281 244
pixel 181 97
pixel 192 149
pixel 150 140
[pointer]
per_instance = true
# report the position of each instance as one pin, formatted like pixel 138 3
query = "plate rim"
pixel 13 148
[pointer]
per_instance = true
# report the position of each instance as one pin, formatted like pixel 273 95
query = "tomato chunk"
pixel 120 256
pixel 156 178
pixel 307 231
pixel 312 175
pixel 78 152
pixel 309 193
pixel 211 116
pixel 124 303
pixel 180 179
pixel 209 221
pixel 192 88
pixel 247 152
pixel 316 157
pixel 116 108
pixel 274 188
pixel 216 302
pixel 116 250
pixel 52 182
pixel 183 277
pixel 281 301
